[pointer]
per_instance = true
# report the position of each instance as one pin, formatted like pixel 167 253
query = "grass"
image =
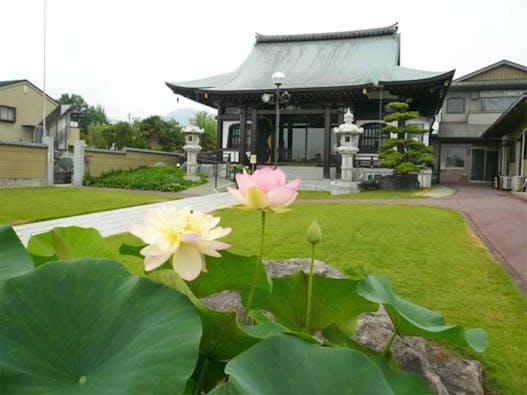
pixel 431 257
pixel 411 194
pixel 23 205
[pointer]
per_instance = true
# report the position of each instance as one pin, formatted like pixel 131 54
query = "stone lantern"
pixel 192 136
pixel 348 139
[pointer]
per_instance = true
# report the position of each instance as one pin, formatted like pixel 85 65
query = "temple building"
pixel 325 74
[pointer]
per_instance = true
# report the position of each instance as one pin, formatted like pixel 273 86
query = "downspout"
pixel 522 154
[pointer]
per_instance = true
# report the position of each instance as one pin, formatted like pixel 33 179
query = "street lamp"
pixel 279 98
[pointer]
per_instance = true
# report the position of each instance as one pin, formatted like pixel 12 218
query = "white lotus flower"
pixel 184 234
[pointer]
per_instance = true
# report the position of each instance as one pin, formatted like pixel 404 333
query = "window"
pixel 496 104
pixel 233 140
pixel 7 114
pixel 455 105
pixel 370 139
pixel 455 157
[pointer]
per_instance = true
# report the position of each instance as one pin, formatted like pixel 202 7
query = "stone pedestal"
pixel 348 147
pixel 49 141
pixel 78 163
pixel 192 135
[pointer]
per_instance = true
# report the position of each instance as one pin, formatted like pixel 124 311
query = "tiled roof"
pixel 10 82
pixel 325 60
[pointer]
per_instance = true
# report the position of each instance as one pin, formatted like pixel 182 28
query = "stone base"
pixel 343 187
pixel 192 178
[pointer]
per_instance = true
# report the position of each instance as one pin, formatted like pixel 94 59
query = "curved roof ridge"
pixel 380 31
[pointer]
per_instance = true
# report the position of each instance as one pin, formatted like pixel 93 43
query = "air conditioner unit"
pixel 517 183
pixel 506 183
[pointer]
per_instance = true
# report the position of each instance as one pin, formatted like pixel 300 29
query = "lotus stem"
pixel 255 271
pixel 202 375
pixel 310 288
pixel 388 345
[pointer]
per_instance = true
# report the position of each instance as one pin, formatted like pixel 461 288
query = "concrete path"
pixel 497 217
pixel 112 222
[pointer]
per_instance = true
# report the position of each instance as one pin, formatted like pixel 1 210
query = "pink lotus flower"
pixel 265 190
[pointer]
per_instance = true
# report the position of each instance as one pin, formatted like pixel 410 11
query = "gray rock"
pixel 446 374
pixel 277 269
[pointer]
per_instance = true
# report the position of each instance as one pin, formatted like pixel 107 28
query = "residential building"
pixel 474 103
pixel 509 134
pixel 21 106
pixel 325 73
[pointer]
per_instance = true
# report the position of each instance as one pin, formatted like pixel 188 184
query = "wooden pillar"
pixel 327 141
pixel 219 134
pixel 290 141
pixel 254 133
pixel 243 131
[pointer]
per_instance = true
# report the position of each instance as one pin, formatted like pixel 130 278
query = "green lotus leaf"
pixel 71 242
pixel 232 272
pixel 334 301
pixel 223 337
pixel 413 320
pixel 14 259
pixel 90 327
pixel 285 364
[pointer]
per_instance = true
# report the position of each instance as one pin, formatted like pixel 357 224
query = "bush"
pixel 164 179
pixel 369 185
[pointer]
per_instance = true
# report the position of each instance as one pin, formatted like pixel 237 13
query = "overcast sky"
pixel 120 53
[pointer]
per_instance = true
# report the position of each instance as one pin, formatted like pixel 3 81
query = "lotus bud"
pixel 314 233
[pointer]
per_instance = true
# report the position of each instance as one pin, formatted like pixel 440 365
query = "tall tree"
pixel 120 135
pixel 88 114
pixel 207 122
pixel 404 154
pixel 159 134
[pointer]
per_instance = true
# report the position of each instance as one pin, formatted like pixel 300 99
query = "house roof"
pixel 515 114
pixel 14 82
pixel 459 130
pixel 503 62
pixel 11 82
pixel 58 113
pixel 317 61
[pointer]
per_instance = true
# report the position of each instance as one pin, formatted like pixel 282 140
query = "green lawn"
pixel 23 205
pixel 412 194
pixel 430 256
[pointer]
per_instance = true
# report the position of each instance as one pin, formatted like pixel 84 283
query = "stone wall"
pixel 23 164
pixel 98 161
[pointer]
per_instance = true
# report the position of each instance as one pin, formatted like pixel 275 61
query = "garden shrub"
pixel 164 179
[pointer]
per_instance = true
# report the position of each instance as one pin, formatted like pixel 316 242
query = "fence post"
pixel 48 140
pixel 78 163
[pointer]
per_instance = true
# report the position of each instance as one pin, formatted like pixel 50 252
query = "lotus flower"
pixel 184 235
pixel 265 190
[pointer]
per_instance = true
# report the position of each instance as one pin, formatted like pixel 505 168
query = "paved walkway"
pixel 497 217
pixel 112 222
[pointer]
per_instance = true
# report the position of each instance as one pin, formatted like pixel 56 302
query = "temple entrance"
pixel 300 140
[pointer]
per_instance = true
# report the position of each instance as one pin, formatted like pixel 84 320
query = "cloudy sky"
pixel 119 53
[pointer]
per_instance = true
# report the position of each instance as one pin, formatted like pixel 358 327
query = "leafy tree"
pixel 87 114
pixel 403 154
pixel 77 101
pixel 96 135
pixel 207 122
pixel 121 134
pixel 159 134
pixel 92 115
